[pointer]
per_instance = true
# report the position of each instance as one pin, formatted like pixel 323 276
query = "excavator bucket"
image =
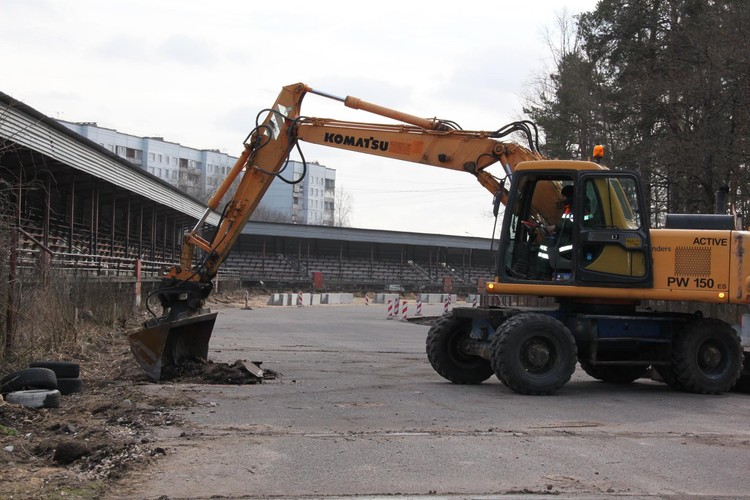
pixel 163 344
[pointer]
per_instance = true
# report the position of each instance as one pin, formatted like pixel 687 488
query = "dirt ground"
pixel 99 435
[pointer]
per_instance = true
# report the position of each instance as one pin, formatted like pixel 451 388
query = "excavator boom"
pixel 184 329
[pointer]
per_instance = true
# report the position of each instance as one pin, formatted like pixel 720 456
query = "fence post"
pixel 137 287
pixel 10 316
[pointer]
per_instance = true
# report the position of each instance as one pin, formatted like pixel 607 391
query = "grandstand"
pixel 74 205
pixel 349 258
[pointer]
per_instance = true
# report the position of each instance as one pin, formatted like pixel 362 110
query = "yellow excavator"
pixel 572 230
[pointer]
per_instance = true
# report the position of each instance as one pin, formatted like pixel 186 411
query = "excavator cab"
pixel 583 226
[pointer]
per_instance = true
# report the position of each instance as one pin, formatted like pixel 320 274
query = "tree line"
pixel 665 86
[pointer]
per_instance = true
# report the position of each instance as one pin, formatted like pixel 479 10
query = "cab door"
pixel 613 243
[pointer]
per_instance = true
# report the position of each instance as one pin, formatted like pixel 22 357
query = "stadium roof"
pixel 364 235
pixel 27 127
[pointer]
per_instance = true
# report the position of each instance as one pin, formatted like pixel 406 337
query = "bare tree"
pixel 343 207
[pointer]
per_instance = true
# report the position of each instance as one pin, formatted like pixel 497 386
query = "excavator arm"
pixel 184 329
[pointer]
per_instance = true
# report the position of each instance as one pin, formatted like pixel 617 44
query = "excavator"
pixel 572 230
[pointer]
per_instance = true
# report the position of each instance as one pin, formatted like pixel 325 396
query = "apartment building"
pixel 199 172
pixel 195 171
pixel 310 201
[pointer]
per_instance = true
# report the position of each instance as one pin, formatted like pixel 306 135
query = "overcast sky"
pixel 198 72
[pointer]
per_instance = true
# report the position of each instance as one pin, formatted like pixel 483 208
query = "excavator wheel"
pixel 743 383
pixel 533 353
pixel 446 355
pixel 707 357
pixel 666 372
pixel 614 374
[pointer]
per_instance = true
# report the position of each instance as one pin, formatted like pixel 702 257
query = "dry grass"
pixel 65 317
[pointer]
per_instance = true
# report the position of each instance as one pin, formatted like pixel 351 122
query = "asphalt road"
pixel 359 411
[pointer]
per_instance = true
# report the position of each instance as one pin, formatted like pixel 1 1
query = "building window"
pixel 174 160
pixel 151 157
pixel 159 156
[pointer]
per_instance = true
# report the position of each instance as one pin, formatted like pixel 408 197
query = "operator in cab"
pixel 556 249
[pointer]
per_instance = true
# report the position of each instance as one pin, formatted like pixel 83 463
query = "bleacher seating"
pixel 78 249
pixel 339 270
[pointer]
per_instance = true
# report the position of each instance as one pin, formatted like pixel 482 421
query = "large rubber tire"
pixel 743 383
pixel 445 353
pixel 35 398
pixel 707 357
pixel 63 369
pixel 533 354
pixel 29 378
pixel 668 376
pixel 614 374
pixel 68 386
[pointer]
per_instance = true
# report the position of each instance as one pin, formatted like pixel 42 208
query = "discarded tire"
pixel 35 398
pixel 29 378
pixel 62 369
pixel 69 385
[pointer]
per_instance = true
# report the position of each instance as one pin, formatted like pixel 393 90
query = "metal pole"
pixel 10 316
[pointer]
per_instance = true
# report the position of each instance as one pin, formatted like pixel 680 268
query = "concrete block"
pixel 432 298
pixel 383 298
pixel 315 299
pixel 330 298
pixel 305 299
pixel 291 299
pixel 453 297
pixel 278 299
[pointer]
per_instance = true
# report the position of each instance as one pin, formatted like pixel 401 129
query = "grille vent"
pixel 691 261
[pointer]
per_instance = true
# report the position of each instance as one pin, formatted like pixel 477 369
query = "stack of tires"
pixel 42 384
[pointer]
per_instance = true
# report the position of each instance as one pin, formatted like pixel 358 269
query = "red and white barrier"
pixel 299 299
pixel 367 299
pixel 446 303
pixel 396 306
pixel 474 302
pixel 390 309
pixel 419 306
pixel 404 309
